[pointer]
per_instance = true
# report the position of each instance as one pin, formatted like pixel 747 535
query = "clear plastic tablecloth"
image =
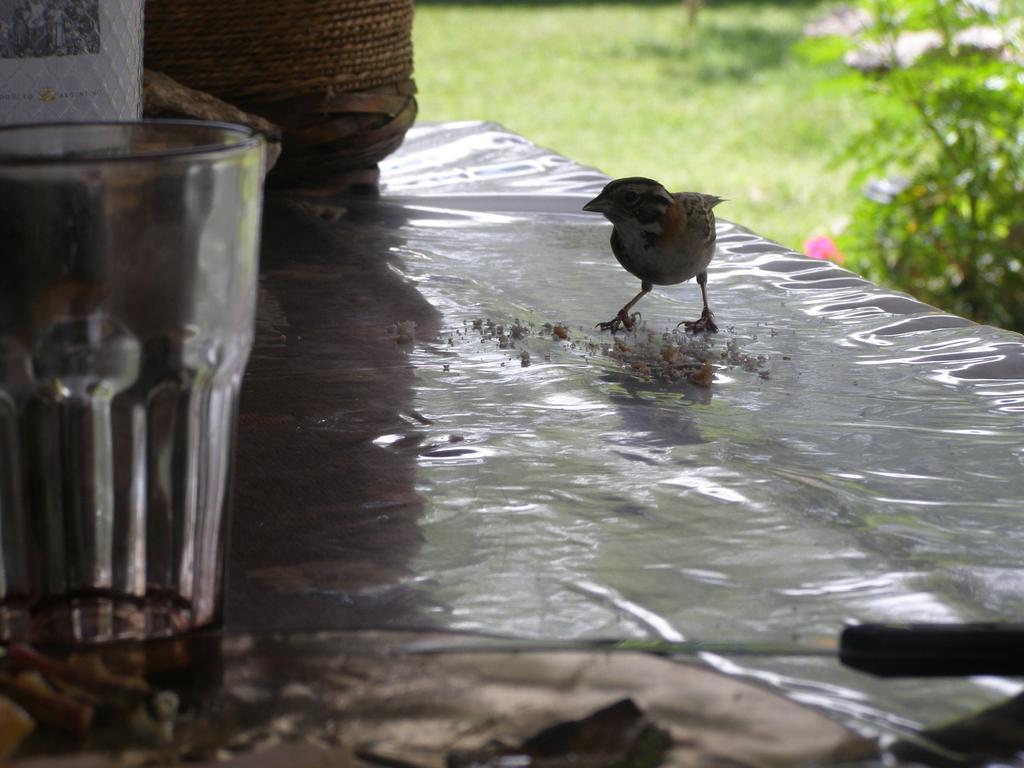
pixel 866 465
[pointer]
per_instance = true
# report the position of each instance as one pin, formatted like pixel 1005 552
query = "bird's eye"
pixel 629 197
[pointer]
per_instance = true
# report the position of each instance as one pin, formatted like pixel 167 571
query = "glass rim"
pixel 249 138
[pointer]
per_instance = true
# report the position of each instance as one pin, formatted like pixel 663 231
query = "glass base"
pixel 104 619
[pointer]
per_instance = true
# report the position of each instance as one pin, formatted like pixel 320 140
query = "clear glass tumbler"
pixel 128 272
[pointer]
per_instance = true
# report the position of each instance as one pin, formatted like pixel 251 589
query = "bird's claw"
pixel 704 324
pixel 621 320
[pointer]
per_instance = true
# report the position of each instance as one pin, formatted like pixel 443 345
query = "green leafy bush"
pixel 947 138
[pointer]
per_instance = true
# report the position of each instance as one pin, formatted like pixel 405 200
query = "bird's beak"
pixel 599 204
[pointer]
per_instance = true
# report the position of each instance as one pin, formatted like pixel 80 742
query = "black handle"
pixel 934 650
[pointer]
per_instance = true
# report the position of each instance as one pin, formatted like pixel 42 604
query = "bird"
pixel 660 237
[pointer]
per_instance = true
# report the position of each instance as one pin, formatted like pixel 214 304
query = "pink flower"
pixel 822 247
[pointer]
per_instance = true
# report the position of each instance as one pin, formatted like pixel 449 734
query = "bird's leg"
pixel 623 318
pixel 706 322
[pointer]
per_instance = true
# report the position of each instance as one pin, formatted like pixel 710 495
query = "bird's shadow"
pixel 656 409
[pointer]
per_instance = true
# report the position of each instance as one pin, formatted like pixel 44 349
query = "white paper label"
pixel 70 60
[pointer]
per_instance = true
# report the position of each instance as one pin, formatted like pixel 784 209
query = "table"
pixel 401 466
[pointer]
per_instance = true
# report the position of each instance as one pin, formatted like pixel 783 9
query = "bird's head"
pixel 631 199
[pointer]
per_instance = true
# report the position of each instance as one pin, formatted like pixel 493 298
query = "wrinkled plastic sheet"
pixel 857 456
pixel 374 698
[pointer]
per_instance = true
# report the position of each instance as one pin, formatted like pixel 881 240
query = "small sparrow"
pixel 661 238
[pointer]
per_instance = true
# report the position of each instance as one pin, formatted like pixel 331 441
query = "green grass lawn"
pixel 631 88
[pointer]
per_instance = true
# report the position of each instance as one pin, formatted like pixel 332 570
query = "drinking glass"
pixel 128 272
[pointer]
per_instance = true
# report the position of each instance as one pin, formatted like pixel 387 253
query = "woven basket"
pixel 336 75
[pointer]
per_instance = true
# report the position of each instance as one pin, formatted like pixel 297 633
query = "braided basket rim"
pixel 240 49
